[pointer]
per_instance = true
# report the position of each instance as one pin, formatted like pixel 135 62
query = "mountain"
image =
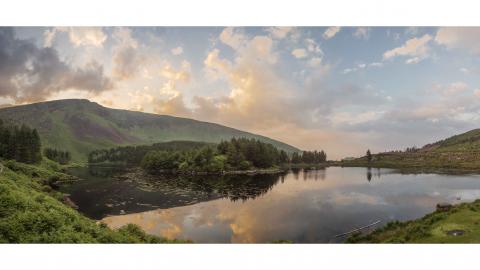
pixel 459 152
pixel 80 126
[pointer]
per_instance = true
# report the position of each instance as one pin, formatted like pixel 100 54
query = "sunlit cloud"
pixel 299 53
pixel 79 36
pixel 308 87
pixel 416 49
pixel 331 32
pixel 127 59
pixel 177 51
pixel 460 37
pixel 279 32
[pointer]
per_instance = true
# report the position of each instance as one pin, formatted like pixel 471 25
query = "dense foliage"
pixel 20 143
pixel 309 157
pixel 133 155
pixel 62 157
pixel 236 154
pixel 32 212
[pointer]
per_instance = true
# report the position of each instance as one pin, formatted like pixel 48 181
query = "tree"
pixel 369 155
pixel 19 143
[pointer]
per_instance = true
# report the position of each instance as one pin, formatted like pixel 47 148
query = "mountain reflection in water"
pixel 304 206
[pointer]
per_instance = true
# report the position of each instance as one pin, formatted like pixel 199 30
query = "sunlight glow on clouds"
pixel 79 36
pixel 339 89
pixel 462 38
pixel 331 32
pixel 416 48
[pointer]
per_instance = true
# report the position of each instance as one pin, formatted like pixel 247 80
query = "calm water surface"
pixel 301 206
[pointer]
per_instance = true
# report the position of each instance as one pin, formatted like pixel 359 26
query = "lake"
pixel 303 206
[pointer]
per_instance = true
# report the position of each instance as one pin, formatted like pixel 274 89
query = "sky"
pixel 340 89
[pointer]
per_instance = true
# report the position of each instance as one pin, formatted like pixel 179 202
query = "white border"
pixel 242 257
pixel 240 13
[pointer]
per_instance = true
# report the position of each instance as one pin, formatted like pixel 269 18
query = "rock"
pixel 455 232
pixel 443 206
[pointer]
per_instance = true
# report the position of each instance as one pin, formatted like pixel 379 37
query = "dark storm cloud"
pixel 29 73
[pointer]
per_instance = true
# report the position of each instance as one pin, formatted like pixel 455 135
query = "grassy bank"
pixel 31 211
pixel 452 163
pixel 437 227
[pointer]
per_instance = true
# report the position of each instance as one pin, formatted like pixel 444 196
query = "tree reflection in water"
pixel 371 174
pixel 116 190
pixel 233 187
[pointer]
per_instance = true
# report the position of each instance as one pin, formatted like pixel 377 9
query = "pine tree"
pixel 369 155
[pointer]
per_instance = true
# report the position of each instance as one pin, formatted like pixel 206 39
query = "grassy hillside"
pixel 438 227
pixel 81 126
pixel 457 153
pixel 32 212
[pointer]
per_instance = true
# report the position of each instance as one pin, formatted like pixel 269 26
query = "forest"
pixel 62 157
pixel 133 155
pixel 19 143
pixel 309 157
pixel 236 154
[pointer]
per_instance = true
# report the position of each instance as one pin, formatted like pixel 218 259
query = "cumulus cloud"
pixel 279 32
pixel 331 32
pixel 451 89
pixel 29 73
pixel 232 37
pixel 313 46
pixel 416 48
pixel 215 66
pixel 171 101
pixel 126 59
pixel 315 62
pixel 299 53
pixel 255 89
pixel 177 51
pixel 459 37
pixel 78 36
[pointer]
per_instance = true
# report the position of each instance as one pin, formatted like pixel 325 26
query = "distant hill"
pixel 459 152
pixel 80 126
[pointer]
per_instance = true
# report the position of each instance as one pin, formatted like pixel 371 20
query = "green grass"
pixel 32 212
pixel 432 228
pixel 457 154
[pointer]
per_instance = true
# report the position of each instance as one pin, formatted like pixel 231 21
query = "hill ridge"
pixel 81 125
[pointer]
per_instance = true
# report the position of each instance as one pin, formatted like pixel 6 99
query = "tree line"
pixel 20 143
pixel 236 154
pixel 133 155
pixel 309 157
pixel 62 157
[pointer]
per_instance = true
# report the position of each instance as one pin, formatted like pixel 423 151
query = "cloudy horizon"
pixel 341 89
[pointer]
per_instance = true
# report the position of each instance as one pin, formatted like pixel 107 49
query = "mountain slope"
pixel 81 126
pixel 459 152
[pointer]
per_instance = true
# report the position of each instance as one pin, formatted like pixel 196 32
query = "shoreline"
pixel 256 171
pixel 411 169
